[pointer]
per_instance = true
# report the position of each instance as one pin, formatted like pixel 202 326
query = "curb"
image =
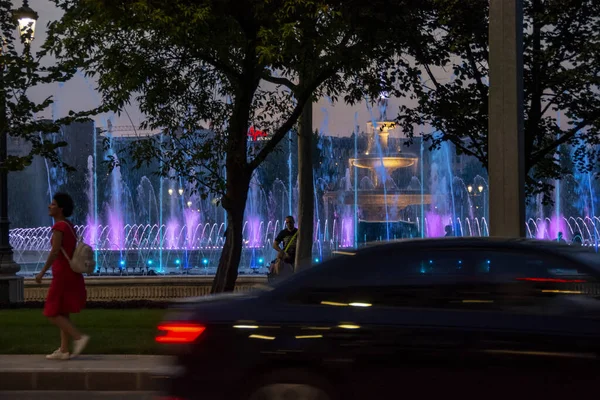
pixel 80 381
pixel 70 376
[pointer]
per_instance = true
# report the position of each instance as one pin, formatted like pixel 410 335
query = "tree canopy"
pixel 205 71
pixel 561 83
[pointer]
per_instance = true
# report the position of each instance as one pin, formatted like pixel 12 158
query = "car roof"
pixel 450 242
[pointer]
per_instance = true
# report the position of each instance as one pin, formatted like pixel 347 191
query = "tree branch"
pixel 480 85
pixel 224 67
pixel 540 154
pixel 278 135
pixel 478 155
pixel 549 104
pixel 303 97
pixel 431 77
pixel 279 81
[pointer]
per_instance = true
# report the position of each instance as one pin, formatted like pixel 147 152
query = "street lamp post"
pixel 11 285
pixel 475 192
pixel 480 189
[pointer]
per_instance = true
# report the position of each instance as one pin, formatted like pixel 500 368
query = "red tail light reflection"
pixel 553 280
pixel 179 332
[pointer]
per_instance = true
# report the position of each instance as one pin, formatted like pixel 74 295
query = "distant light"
pixel 180 191
pixel 205 261
pixel 349 326
pixel 27 19
pixel 260 260
pixel 189 203
pixel 309 337
pixel 359 304
pixel 150 262
pixel 563 291
pixel 344 253
pixel 122 262
pixel 333 303
pixel 430 261
pixel 245 326
pixel 317 260
pixel 170 192
pixel 178 261
pixel 263 337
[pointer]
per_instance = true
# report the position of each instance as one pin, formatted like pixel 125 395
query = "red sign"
pixel 255 134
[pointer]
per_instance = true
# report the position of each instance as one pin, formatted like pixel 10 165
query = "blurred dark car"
pixel 457 317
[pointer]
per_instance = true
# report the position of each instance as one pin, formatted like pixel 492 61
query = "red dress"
pixel 67 293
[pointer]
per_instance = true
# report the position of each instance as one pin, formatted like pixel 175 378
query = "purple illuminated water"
pixel 172 234
pixel 435 224
pixel 253 231
pixel 347 232
pixel 192 222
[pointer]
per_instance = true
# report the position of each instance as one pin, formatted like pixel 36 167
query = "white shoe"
pixel 58 355
pixel 79 345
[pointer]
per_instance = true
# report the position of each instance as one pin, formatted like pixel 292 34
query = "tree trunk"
pixel 238 173
pixel 234 202
pixel 306 198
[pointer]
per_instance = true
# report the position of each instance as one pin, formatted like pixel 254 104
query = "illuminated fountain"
pixel 372 198
pixel 141 224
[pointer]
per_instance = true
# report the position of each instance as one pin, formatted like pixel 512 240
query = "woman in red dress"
pixel 66 294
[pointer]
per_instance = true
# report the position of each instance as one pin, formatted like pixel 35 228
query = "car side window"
pixel 385 279
pixel 387 268
pixel 524 265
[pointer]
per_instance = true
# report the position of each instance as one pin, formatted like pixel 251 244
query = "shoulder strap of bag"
pixel 290 242
pixel 76 241
pixel 73 231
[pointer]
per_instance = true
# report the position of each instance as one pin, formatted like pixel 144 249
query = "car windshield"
pixel 587 255
pixel 335 257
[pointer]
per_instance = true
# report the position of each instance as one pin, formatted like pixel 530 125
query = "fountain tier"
pixel 390 164
pixel 375 205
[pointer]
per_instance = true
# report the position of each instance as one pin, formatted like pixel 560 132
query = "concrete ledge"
pixel 157 288
pixel 90 372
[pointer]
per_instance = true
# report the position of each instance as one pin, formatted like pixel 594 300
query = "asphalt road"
pixel 74 395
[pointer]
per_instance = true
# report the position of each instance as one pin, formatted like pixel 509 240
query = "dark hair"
pixel 290 217
pixel 64 201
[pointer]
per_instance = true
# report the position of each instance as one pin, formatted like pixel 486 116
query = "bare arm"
pixel 57 238
pixel 279 249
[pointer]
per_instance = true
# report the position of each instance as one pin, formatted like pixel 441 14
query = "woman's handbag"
pixel 83 256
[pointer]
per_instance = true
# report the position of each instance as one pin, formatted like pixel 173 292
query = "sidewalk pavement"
pixel 86 372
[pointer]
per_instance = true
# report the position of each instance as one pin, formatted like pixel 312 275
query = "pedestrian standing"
pixel 283 266
pixel 67 294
